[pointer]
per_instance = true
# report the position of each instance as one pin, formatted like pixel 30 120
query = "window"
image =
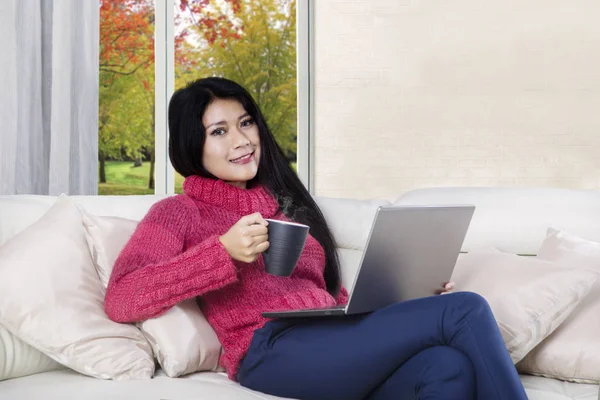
pixel 250 41
pixel 126 97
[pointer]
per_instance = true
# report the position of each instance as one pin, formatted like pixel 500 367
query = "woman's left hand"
pixel 446 288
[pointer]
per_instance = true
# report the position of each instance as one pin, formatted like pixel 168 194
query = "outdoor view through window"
pixel 250 41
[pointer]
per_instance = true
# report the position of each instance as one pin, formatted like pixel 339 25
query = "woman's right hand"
pixel 245 240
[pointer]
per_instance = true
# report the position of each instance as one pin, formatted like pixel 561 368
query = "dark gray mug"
pixel 286 242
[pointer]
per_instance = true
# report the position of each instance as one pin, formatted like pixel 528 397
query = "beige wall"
pixel 412 94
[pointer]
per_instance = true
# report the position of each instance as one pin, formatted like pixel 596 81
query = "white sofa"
pixel 513 220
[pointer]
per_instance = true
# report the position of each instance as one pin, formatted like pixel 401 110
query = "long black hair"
pixel 186 141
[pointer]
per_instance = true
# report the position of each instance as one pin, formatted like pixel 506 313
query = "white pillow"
pixel 19 212
pixel 52 300
pixel 182 339
pixel 530 298
pixel 106 237
pixel 572 352
pixel 18 359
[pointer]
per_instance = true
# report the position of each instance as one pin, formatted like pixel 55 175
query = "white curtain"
pixel 49 96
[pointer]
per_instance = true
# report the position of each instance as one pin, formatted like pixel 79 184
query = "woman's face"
pixel 232 148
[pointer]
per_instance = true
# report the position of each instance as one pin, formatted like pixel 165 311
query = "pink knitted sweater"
pixel 175 254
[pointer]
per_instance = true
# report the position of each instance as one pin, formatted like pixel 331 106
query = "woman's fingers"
pixel 260 239
pixel 257 230
pixel 254 219
pixel 262 247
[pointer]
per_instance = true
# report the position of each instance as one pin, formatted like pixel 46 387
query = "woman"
pixel 207 244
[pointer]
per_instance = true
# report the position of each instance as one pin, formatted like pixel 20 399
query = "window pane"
pixel 252 42
pixel 126 104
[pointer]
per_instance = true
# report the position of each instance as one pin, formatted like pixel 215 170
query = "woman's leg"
pixel 350 357
pixel 439 372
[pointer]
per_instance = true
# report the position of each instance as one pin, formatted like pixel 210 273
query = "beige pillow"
pixel 182 339
pixel 530 298
pixel 52 300
pixel 572 352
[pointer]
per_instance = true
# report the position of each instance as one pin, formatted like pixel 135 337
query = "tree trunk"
pixel 151 179
pixel 102 168
pixel 152 149
pixel 137 162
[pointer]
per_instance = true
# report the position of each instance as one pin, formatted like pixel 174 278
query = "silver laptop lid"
pixel 410 252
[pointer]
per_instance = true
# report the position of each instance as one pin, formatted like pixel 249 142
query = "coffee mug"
pixel 286 243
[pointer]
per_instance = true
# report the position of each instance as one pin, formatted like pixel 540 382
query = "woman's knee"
pixel 469 301
pixel 445 363
pixel 449 370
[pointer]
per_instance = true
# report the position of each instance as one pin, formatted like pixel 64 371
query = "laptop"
pixel 411 252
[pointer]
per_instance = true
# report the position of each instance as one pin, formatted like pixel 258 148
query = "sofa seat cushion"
pixel 63 384
pixel 539 388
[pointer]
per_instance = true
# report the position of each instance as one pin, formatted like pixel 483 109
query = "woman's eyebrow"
pixel 223 122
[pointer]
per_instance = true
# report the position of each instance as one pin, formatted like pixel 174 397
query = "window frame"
pixel 305 91
pixel 164 78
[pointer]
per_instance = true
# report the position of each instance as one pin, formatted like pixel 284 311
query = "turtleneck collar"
pixel 242 201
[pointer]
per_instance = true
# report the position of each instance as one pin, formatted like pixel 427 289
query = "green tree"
pixel 125 125
pixel 145 96
pixel 126 53
pixel 252 42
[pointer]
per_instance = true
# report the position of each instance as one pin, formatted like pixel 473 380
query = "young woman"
pixel 207 244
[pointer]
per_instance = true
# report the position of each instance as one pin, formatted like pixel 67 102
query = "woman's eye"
pixel 218 132
pixel 247 122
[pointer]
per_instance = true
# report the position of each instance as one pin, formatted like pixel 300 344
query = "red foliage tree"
pixel 211 20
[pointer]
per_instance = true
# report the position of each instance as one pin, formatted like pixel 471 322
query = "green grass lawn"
pixel 123 179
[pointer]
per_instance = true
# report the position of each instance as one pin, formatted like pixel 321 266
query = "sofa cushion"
pixel 131 207
pixel 530 298
pixel 572 352
pixel 182 339
pixel 52 300
pixel 17 212
pixel 350 220
pixel 349 264
pixel 516 219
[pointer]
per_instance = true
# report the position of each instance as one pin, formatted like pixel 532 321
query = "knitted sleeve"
pixel 154 272
pixel 342 297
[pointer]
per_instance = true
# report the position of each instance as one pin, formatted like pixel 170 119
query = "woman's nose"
pixel 240 139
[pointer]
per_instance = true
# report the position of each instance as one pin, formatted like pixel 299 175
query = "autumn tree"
pixel 126 36
pixel 252 42
pixel 126 50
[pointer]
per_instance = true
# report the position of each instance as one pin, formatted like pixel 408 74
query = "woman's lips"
pixel 245 159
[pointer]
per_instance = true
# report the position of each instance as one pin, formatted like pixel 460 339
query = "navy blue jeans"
pixel 440 347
